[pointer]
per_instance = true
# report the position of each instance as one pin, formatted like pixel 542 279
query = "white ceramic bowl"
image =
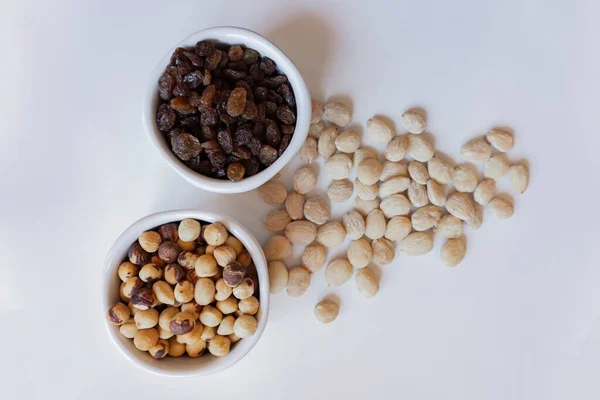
pixel 231 35
pixel 182 366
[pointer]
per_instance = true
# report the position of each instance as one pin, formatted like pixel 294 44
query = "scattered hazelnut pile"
pixel 186 287
pixel 399 201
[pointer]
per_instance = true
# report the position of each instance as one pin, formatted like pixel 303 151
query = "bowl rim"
pixel 116 255
pixel 301 93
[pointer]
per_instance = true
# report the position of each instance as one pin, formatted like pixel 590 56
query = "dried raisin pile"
pixel 225 110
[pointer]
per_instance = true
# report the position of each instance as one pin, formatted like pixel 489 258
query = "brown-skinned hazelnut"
pixel 127 270
pixel 128 329
pixel 145 339
pixel 150 241
pixel 245 326
pixel 164 333
pixel 187 260
pixel 193 336
pixel 163 292
pixel 182 323
pixel 168 252
pixel 219 346
pixel 234 273
pixel 159 350
pixel 227 306
pixel 137 255
pixel 192 307
pixel 244 258
pixel 143 298
pixel 186 246
pixel 245 289
pixel 215 234
pixel 157 261
pixel 192 276
pixel 235 244
pixel 150 273
pixel 206 266
pixel 249 306
pixel 174 274
pixel 146 319
pixel 208 333
pixel 168 232
pixel 223 290
pixel 166 316
pixel 226 326
pixel 176 349
pixel 131 285
pixel 119 314
pixel 224 255
pixel 204 291
pixel 196 349
pixel 189 230
pixel 210 316
pixel 184 291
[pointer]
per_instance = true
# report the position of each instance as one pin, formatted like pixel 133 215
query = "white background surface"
pixel 518 319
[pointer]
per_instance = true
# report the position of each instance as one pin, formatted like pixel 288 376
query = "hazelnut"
pixel 210 316
pixel 127 270
pixel 192 276
pixel 235 244
pixel 189 230
pixel 182 323
pixel 206 266
pixel 145 339
pixel 234 273
pixel 200 250
pixel 186 246
pixel 128 329
pixel 184 291
pixel 224 255
pixel 223 290
pixel 150 241
pixel 215 234
pixel 164 333
pixel 145 319
pixel 208 333
pixel 218 275
pixel 187 259
pixel 132 309
pixel 228 306
pixel 166 316
pixel 234 338
pixel 157 261
pixel 192 307
pixel 176 349
pixel 196 349
pixel 204 292
pixel 249 306
pixel 193 336
pixel 163 292
pixel 244 290
pixel 124 298
pixel 159 350
pixel 226 326
pixel 137 255
pixel 150 273
pixel 219 346
pixel 168 232
pixel 143 298
pixel 118 314
pixel 168 252
pixel 209 249
pixel 132 285
pixel 326 311
pixel 174 274
pixel 244 258
pixel 201 240
pixel 245 326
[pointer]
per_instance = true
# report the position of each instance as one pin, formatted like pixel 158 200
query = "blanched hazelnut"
pixel 245 326
pixel 193 336
pixel 150 241
pixel 210 316
pixel 119 314
pixel 226 326
pixel 127 270
pixel 166 316
pixel 168 252
pixel 326 311
pixel 244 290
pixel 249 306
pixel 209 249
pixel 143 298
pixel 204 292
pixel 182 323
pixel 215 234
pixel 124 298
pixel 168 232
pixel 234 338
pixel 150 273
pixel 192 307
pixel 184 291
pixel 145 319
pixel 219 346
pixel 228 306
pixel 206 266
pixel 164 333
pixel 187 246
pixel 208 333
pixel 145 339
pixel 157 261
pixel 244 258
pixel 176 349
pixel 235 244
pixel 196 349
pixel 192 276
pixel 174 273
pixel 128 329
pixel 187 259
pixel 223 290
pixel 137 255
pixel 159 350
pixel 189 230
pixel 234 273
pixel 224 255
pixel 163 292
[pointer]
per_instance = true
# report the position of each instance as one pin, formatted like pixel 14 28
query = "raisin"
pixel 186 146
pixel 267 66
pixel 270 107
pixel 237 102
pixel 242 153
pixel 208 95
pixel 286 91
pixel 250 111
pixel 235 172
pixel 259 131
pixel 227 119
pixel 208 133
pixel 254 146
pixel 194 163
pixel 250 56
pixel 194 99
pixel 225 140
pixel 215 154
pixel 256 72
pixel 208 116
pixel 267 155
pixel 261 112
pixel 273 134
pixel 238 66
pixel 233 74
pixel 220 173
pixel 190 122
pixel 285 142
pixel 178 56
pixel 286 115
pixel 235 53
pixel 261 93
pixel 288 129
pixel 165 117
pixel 242 137
pixel 174 71
pixel 275 97
pixel 207 77
pixel 182 105
pixel 248 88
pixel 165 86
pixel 195 59
pixel 224 59
pixel 212 62
pixel 275 81
pixel 173 133
pixel 194 79
pixel 185 67
pixel 252 166
pixel 249 80
pixel 204 48
pixel 204 167
pixel 181 90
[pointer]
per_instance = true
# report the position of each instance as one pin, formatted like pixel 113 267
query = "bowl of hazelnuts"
pixel 187 292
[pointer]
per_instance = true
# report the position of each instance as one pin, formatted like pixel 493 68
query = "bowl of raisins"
pixel 227 109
